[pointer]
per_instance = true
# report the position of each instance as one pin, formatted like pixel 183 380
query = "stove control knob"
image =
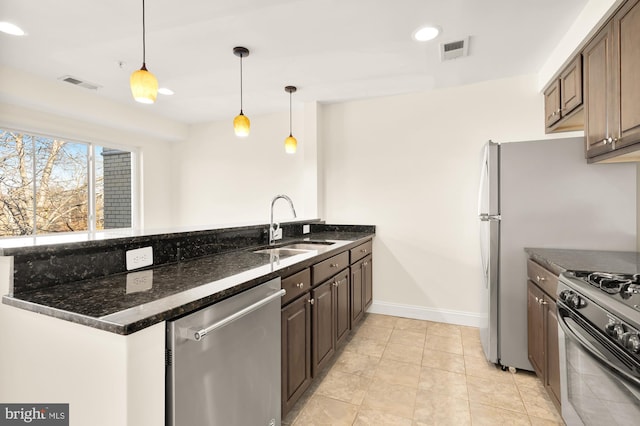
pixel 632 342
pixel 615 329
pixel 575 301
pixel 565 295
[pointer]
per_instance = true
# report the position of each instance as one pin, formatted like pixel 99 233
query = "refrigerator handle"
pixel 484 178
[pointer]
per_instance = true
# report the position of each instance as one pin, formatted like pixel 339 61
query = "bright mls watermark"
pixel 34 414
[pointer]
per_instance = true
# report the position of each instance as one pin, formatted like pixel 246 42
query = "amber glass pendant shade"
pixel 241 125
pixel 290 145
pixel 144 86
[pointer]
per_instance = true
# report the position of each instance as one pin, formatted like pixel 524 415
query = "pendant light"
pixel 290 143
pixel 241 123
pixel 144 85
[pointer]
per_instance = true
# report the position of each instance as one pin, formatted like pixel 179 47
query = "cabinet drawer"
pixel 360 251
pixel 295 285
pixel 330 267
pixel 545 279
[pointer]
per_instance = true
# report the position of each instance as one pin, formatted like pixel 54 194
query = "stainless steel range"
pixel 599 317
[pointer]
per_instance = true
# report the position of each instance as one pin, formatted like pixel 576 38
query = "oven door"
pixel 600 383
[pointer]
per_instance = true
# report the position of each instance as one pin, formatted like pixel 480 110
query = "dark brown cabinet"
pixel 542 328
pixel 317 316
pixel 322 324
pixel 563 99
pixel 361 280
pixel 552 377
pixel 367 278
pixel 342 300
pixel 296 351
pixel 535 328
pixel 361 288
pixel 612 87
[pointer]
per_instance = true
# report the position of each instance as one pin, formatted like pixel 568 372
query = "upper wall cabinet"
pixel 563 100
pixel 612 88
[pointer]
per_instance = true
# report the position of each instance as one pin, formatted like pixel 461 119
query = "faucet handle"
pixel 276 232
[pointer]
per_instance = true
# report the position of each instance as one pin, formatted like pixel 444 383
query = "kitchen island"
pixel 99 343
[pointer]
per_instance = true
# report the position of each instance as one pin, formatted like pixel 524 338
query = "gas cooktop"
pixel 624 288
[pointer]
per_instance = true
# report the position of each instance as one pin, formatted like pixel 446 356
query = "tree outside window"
pixel 45 185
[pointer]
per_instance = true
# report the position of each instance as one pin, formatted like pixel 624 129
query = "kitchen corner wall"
pixel 410 165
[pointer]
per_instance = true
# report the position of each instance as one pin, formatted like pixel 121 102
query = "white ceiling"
pixel 333 50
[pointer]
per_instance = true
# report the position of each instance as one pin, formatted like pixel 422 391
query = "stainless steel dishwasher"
pixel 223 362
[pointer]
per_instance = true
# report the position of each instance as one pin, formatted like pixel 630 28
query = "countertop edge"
pixel 107 323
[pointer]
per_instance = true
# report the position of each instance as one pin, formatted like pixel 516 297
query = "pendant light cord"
pixel 290 132
pixel 144 43
pixel 240 83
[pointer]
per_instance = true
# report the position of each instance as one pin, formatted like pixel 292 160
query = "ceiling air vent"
pixel 454 49
pixel 77 82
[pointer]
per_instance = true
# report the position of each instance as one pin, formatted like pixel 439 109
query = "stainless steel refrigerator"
pixel 542 194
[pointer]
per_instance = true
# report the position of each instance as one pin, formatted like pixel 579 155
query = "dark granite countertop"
pixel 112 303
pixel 560 260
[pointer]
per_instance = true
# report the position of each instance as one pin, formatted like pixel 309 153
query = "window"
pixel 50 185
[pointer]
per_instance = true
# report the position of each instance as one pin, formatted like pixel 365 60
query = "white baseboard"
pixel 422 313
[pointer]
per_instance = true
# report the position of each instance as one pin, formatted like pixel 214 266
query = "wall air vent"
pixel 454 49
pixel 77 82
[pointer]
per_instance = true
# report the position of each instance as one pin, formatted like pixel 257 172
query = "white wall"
pixel 226 180
pixel 410 165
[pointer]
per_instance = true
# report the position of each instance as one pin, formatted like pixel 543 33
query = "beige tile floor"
pixel 398 371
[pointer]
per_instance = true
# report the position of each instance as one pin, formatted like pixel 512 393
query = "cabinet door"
pixel 598 81
pixel 552 380
pixel 357 308
pixel 367 280
pixel 627 29
pixel 571 86
pixel 342 299
pixel 535 328
pixel 323 314
pixel 296 351
pixel 552 104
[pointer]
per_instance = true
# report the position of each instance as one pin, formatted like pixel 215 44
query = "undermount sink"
pixel 307 245
pixel 294 248
pixel 282 252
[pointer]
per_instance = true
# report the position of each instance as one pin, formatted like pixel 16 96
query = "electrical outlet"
pixel 306 229
pixel 139 258
pixel 139 281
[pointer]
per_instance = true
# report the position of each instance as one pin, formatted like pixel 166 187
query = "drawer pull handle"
pixel 333 265
pixel 300 285
pixel 363 251
pixel 539 278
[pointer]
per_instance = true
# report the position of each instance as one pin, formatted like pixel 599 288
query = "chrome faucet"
pixel 275 233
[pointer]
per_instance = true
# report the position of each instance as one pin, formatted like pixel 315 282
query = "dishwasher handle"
pixel 198 335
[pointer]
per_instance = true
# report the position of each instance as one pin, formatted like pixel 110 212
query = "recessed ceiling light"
pixel 165 91
pixel 426 33
pixel 9 28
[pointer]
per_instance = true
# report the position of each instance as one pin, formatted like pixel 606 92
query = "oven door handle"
pixel 576 335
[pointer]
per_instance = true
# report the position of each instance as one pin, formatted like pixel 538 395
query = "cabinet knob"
pixel 365 263
pixel 311 301
pixel 300 285
pixel 541 301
